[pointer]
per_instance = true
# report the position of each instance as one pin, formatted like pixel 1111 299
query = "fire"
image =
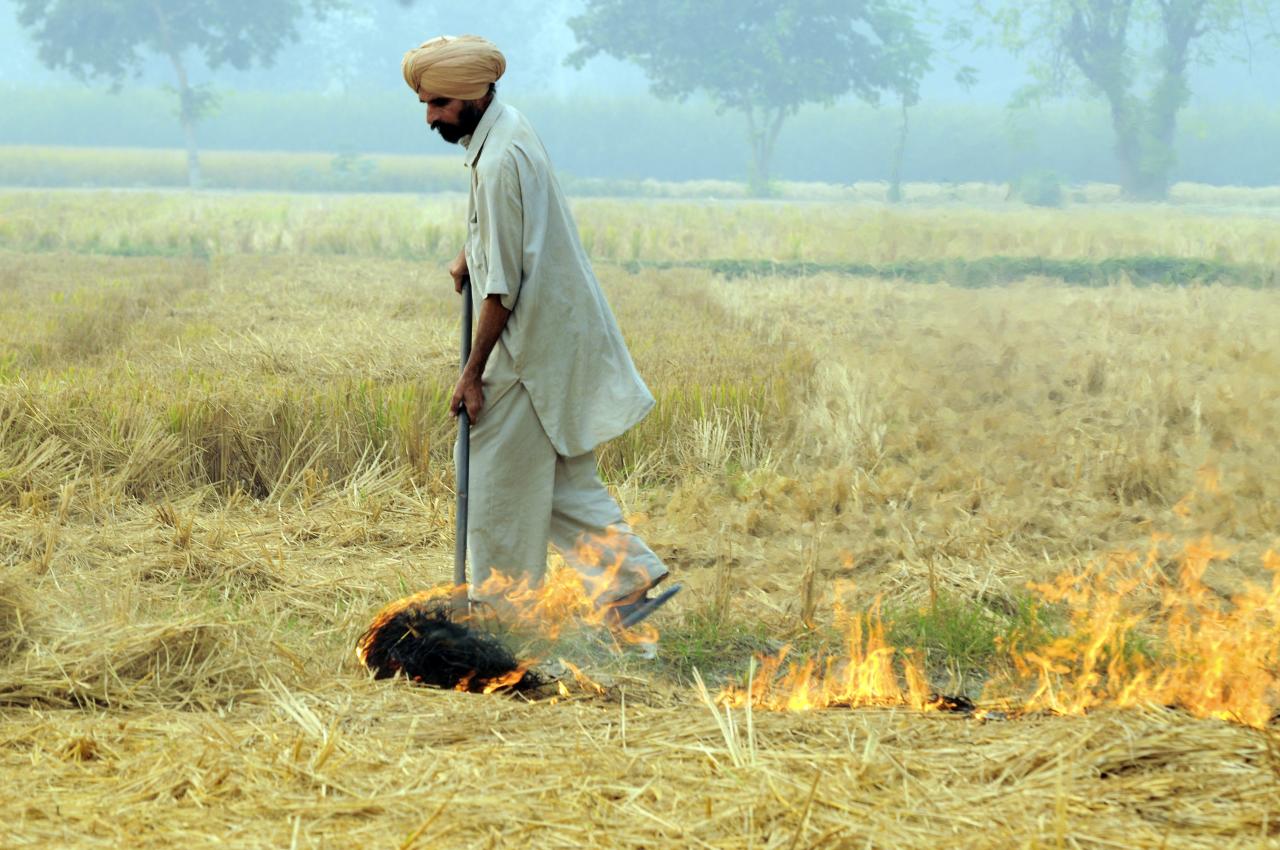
pixel 1135 636
pixel 432 638
pixel 865 675
pixel 570 597
pixel 1210 656
pixel 1136 633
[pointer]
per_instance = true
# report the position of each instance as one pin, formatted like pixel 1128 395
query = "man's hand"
pixel 458 270
pixel 469 392
pixel 493 318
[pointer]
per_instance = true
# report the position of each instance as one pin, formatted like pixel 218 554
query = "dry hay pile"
pixel 183 662
pixel 384 764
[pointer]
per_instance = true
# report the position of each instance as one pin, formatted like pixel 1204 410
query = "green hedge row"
pixel 997 271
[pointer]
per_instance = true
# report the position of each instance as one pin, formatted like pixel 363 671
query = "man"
pixel 549 377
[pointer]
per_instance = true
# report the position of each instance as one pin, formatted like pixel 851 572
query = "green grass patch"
pixel 958 636
pixel 715 646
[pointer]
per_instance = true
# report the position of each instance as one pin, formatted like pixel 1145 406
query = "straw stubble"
pixel 209 488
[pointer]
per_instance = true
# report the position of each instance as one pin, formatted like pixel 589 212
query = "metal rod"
pixel 464 462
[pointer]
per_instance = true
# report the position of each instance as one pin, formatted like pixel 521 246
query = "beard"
pixel 468 119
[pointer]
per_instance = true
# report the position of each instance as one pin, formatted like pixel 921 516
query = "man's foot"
pixel 637 607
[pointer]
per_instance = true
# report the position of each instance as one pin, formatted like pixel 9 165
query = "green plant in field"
pixel 712 645
pixel 1030 625
pixel 965 637
pixel 951 631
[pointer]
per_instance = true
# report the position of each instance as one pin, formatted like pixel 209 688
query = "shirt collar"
pixel 475 141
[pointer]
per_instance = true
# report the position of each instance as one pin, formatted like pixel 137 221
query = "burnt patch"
pixel 425 643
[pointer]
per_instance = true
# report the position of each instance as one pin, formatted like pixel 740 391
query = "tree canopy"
pixel 764 58
pixel 1137 55
pixel 109 38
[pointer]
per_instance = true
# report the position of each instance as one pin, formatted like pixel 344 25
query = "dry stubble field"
pixel 223 447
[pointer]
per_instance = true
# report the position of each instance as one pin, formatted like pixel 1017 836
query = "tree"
pixel 110 38
pixel 908 91
pixel 763 58
pixel 1137 55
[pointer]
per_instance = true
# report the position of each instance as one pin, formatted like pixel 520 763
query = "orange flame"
pixel 865 675
pixel 568 599
pixel 1212 657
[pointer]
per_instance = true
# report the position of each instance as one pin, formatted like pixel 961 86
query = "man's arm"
pixel 493 318
pixel 500 216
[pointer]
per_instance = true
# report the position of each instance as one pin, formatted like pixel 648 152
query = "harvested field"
pixel 223 447
pixel 363 766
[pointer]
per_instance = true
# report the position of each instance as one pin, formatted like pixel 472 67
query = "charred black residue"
pixel 425 643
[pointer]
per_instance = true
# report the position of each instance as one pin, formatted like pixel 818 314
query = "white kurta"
pixel 558 383
pixel 561 342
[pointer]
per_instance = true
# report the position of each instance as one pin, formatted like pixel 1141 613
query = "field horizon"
pixel 157 169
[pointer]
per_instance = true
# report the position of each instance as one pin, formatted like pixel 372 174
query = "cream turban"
pixel 461 67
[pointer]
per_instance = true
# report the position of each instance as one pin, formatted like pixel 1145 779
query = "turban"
pixel 460 67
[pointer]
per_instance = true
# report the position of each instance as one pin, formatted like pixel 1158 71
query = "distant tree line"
pixel 762 59
pixel 631 138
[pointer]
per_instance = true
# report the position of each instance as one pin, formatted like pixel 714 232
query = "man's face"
pixel 453 119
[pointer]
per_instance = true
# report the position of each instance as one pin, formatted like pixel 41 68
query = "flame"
pixel 570 599
pixel 583 681
pixel 1135 636
pixel 866 675
pixel 502 682
pixel 571 596
pixel 1212 657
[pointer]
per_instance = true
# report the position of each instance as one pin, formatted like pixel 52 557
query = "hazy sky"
pixel 363 49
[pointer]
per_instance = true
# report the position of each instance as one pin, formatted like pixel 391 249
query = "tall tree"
pixel 1137 55
pixel 110 38
pixel 762 58
pixel 908 90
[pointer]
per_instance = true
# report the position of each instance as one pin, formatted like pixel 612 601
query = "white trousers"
pixel 522 494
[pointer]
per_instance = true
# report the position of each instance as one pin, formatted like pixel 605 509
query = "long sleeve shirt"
pixel 561 340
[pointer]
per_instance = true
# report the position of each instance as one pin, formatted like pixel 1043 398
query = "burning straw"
pixel 422 638
pixel 425 639
pixel 869 673
pixel 1214 657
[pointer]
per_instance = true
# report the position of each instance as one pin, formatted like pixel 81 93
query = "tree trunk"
pixel 762 134
pixel 188 108
pixel 189 137
pixel 899 152
pixel 1138 180
pixel 1181 22
pixel 1145 128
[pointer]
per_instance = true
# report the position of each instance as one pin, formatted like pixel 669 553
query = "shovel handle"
pixel 464 457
